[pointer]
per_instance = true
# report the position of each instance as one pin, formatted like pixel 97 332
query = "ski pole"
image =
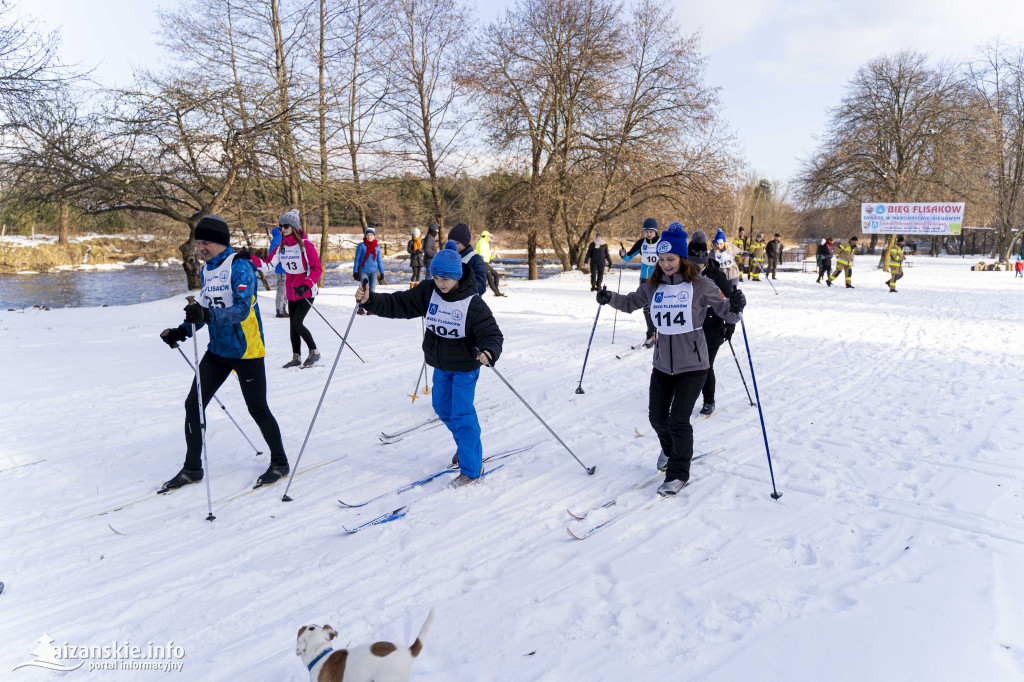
pixel 589 470
pixel 416 391
pixel 222 406
pixel 740 371
pixel 618 289
pixel 579 389
pixel 316 412
pixel 775 493
pixel 766 277
pixel 426 372
pixel 202 418
pixel 336 332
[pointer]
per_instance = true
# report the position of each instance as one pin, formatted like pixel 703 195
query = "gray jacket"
pixel 678 353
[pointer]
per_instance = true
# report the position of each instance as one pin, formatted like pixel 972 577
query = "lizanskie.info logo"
pixel 116 656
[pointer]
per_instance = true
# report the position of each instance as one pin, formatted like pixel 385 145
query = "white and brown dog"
pixel 377 662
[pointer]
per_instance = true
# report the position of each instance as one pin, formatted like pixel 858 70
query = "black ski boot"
pixel 314 355
pixel 849 286
pixel 295 362
pixel 273 474
pixel 181 479
pixel 708 408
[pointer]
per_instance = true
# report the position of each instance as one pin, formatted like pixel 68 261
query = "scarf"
pixel 599 242
pixel 417 243
pixel 371 252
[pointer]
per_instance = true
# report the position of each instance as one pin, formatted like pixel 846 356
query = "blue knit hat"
pixel 651 224
pixel 673 240
pixel 447 262
pixel 719 236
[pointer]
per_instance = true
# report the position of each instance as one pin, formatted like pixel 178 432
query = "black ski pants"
pixel 672 398
pixel 597 275
pixel 297 311
pixel 252 379
pixel 709 383
pixel 492 279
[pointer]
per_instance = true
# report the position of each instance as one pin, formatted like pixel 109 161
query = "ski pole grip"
pixel 191 300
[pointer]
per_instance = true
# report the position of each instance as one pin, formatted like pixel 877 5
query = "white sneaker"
pixel 662 461
pixel 671 487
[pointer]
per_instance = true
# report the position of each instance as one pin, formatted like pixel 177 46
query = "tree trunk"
pixel 65 223
pixel 190 261
pixel 531 253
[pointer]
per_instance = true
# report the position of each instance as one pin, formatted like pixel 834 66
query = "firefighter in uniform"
pixel 896 258
pixel 757 258
pixel 844 262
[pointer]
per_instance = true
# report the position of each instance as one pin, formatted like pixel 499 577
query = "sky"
pixel 780 64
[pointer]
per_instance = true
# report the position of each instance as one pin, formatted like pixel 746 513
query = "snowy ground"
pixel 895 553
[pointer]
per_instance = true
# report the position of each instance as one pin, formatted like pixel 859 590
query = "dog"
pixel 377 662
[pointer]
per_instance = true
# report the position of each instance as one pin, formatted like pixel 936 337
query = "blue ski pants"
pixel 452 396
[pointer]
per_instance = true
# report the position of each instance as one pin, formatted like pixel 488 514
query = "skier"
pixel 896 259
pixel 597 256
pixel 679 298
pixel 774 253
pixel 646 247
pixel 462 335
pixel 368 264
pixel 429 248
pixel 415 249
pixel 716 330
pixel 756 258
pixel 227 306
pixel 461 235
pixel 483 247
pixel 1018 268
pixel 824 256
pixel 844 262
pixel 726 259
pixel 281 299
pixel 300 261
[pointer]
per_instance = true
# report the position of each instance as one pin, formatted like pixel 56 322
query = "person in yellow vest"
pixel 896 258
pixel 483 247
pixel 740 248
pixel 757 258
pixel 844 262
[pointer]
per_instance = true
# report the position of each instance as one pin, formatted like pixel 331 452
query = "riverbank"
pixel 87 252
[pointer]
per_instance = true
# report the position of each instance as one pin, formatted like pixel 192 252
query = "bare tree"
pixel 28 61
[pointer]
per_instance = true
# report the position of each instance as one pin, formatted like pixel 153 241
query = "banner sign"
pixel 927 219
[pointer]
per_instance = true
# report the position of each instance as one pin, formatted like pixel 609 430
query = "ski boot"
pixel 662 461
pixel 295 362
pixel 708 408
pixel 463 479
pixel 273 474
pixel 181 479
pixel 672 487
pixel 314 355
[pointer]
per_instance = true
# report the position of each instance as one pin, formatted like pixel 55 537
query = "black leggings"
pixel 709 383
pixel 297 313
pixel 252 379
pixel 824 268
pixel 672 398
pixel 416 273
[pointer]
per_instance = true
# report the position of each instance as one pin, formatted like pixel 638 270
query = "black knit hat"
pixel 461 234
pixel 212 228
pixel 651 224
pixel 697 251
pixel 432 228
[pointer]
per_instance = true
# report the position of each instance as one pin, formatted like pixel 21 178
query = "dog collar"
pixel 317 659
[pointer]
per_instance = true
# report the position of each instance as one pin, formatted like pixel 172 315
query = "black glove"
pixel 172 337
pixel 728 330
pixel 604 297
pixel 243 255
pixel 738 301
pixel 196 314
pixel 302 291
pixel 355 276
pixel 380 278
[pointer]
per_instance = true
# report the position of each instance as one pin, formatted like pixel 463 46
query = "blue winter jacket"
pixel 476 263
pixel 372 266
pixel 275 240
pixel 236 331
pixel 645 270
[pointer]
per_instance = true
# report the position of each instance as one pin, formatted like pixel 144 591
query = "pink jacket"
pixel 308 270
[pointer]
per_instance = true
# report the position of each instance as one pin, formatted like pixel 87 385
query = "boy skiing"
pixel 461 336
pixel 646 246
pixel 227 307
pixel 679 298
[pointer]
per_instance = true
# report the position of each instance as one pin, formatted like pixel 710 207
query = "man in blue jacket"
pixel 462 237
pixel 281 302
pixel 227 307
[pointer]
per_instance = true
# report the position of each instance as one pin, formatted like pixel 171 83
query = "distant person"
pixel 228 308
pixel 740 245
pixel 597 256
pixel 726 259
pixel 1018 268
pixel 462 237
pixel 647 247
pixel 415 249
pixel 896 258
pixel 824 258
pixel 281 299
pixel 774 253
pixel 844 262
pixel 756 261
pixel 716 330
pixel 368 265
pixel 483 247
pixel 429 249
pixel 301 262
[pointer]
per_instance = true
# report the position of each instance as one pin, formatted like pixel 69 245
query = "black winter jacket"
pixel 450 355
pixel 598 254
pixel 774 249
pixel 714 326
pixel 823 254
pixel 430 246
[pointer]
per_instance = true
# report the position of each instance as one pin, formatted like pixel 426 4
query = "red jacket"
pixel 308 269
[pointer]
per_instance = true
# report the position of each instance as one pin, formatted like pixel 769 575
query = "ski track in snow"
pixel 895 553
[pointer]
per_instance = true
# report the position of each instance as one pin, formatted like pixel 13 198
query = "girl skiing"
pixel 301 264
pixel 679 298
pixel 645 246
pixel 726 259
pixel 461 335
